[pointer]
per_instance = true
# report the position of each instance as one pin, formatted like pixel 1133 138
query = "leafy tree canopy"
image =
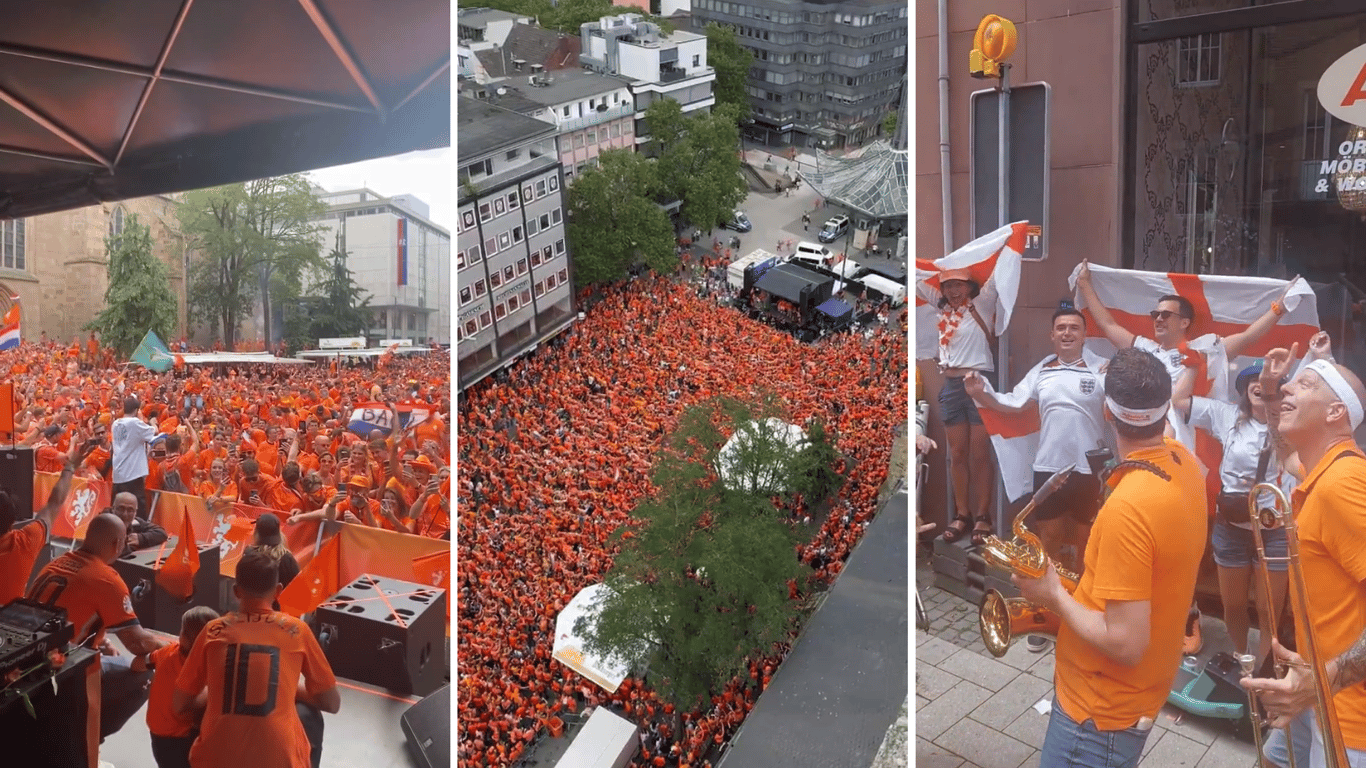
pixel 698 160
pixel 614 220
pixel 139 296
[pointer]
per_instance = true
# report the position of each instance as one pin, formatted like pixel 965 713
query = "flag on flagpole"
pixel 176 575
pixel 152 354
pixel 318 581
pixel 994 262
pixel 10 335
pixel 1015 436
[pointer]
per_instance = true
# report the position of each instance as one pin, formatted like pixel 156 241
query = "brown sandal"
pixel 981 530
pixel 956 529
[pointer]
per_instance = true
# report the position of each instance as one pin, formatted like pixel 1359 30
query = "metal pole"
pixel 1002 219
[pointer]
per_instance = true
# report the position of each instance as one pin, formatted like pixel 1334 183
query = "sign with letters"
pixel 1342 88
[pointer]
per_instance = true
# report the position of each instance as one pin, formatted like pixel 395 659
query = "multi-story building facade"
pixel 399 257
pixel 825 74
pixel 593 112
pixel 655 65
pixel 513 277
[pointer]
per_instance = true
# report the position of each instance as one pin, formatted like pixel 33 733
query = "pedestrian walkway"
pixel 975 711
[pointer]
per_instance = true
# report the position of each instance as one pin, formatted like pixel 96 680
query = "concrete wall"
pixel 1075 46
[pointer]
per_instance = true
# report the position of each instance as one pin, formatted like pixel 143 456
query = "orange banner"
pixel 87 499
pixel 228 526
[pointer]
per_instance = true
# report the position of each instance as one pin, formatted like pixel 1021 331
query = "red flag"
pixel 177 573
pixel 318 581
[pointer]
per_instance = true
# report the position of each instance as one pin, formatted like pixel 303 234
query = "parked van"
pixel 813 254
pixel 834 228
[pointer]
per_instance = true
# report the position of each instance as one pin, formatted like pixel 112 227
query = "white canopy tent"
pixel 569 645
pixel 738 452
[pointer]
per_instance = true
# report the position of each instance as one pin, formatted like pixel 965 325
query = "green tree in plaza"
pixel 732 62
pixel 614 220
pixel 698 160
pixel 251 240
pixel 139 296
pixel 335 307
pixel 699 587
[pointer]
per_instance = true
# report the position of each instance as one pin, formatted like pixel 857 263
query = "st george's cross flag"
pixel 1224 305
pixel 993 262
pixel 1015 436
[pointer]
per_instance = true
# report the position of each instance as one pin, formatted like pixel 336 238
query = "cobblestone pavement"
pixel 976 711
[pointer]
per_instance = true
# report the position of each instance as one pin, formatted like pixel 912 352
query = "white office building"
pixel 399 257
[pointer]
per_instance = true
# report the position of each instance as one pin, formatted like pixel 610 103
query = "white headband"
pixel 1340 387
pixel 1138 417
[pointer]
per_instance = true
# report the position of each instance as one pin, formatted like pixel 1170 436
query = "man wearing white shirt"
pixel 130 437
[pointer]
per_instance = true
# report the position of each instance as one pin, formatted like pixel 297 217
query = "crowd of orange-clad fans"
pixel 273 436
pixel 555 454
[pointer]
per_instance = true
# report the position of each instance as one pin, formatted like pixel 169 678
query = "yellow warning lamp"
pixel 994 42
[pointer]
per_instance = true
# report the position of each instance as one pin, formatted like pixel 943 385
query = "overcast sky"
pixel 425 175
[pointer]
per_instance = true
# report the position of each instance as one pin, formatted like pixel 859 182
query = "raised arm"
pixel 1104 320
pixel 975 386
pixel 1260 327
pixel 1182 391
pixel 80 449
pixel 1274 368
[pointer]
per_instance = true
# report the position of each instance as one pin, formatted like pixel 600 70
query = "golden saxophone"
pixel 1325 712
pixel 1002 619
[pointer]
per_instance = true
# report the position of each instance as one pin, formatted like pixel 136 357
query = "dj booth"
pixel 63 730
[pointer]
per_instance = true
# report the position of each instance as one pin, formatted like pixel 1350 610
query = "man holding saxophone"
pixel 1122 629
pixel 1314 417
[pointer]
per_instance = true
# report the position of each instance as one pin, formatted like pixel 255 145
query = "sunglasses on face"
pixel 1163 314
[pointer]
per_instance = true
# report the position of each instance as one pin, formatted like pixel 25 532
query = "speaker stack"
pixel 155 607
pixel 387 633
pixel 16 478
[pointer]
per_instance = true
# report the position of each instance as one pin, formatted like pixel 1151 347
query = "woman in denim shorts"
pixel 1242 431
pixel 965 341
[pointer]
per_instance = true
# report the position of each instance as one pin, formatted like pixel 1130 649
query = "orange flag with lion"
pixel 177 573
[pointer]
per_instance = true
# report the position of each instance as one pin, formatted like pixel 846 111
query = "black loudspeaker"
pixel 16 477
pixel 156 609
pixel 1225 672
pixel 427 725
pixel 385 632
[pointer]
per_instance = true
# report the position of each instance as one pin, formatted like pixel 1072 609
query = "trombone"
pixel 1325 712
pixel 1001 619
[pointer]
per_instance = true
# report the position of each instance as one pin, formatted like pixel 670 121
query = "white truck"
pixel 735 273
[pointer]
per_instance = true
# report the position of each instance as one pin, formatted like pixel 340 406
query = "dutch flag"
pixel 9 331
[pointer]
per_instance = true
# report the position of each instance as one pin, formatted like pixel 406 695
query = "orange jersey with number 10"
pixel 251 664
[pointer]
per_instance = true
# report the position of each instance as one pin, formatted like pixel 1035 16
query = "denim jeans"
pixel 1069 744
pixel 1275 748
pixel 312 719
pixel 122 692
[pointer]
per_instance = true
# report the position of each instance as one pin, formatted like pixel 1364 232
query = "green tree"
pixel 614 220
pixel 335 307
pixel 732 63
pixel 700 585
pixel 139 296
pixel 698 160
pixel 252 239
pixel 889 124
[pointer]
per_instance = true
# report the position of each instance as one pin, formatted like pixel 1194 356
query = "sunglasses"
pixel 1163 314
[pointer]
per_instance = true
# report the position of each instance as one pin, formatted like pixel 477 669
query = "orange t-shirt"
pixel 432 521
pixel 1146 544
pixel 1330 511
pixel 208 488
pixel 162 719
pixel 258 493
pixel 251 718
pixel 93 594
pixel 19 549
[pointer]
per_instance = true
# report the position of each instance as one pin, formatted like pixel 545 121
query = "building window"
pixel 459 260
pixel 485 320
pixel 412 321
pixel 555 216
pixel 485 212
pixel 508 273
pixel 479 288
pixel 465 296
pixel 526 296
pixel 540 289
pixel 116 221
pixel 545 221
pixel 532 226
pixel 559 247
pixel 696 61
pixel 495 279
pixel 468 219
pixel 499 207
pixel 513 202
pixel 504 241
pixel 540 188
pixel 555 180
pixel 564 275
pixel 491 246
pixel 383 319
pixel 535 258
pixel 471 328
pixel 12 243
pixel 550 283
pixel 512 154
pixel 475 255
pixel 514 303
pixel 521 267
pixel 1198 59
pixel 517 234
pixel 500 311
